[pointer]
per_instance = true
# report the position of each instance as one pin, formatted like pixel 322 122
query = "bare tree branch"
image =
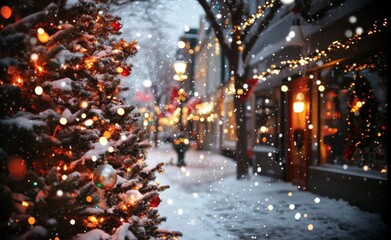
pixel 251 40
pixel 217 28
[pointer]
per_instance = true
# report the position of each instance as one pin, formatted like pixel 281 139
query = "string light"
pixel 319 54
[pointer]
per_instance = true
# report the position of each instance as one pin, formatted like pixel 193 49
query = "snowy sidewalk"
pixel 205 202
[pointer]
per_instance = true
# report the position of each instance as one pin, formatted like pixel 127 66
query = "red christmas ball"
pixel 116 26
pixel 155 201
pixel 126 71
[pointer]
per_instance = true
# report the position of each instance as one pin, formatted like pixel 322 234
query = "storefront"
pixel 352 143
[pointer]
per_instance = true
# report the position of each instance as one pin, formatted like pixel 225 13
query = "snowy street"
pixel 205 201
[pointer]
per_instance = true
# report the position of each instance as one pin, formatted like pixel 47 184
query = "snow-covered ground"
pixel 205 201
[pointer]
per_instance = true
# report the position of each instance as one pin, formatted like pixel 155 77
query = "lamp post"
pixel 180 69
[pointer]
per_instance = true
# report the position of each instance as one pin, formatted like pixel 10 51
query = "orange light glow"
pixel 6 12
pixel 31 220
pixel 89 199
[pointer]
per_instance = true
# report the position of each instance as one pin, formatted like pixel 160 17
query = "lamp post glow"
pixel 180 68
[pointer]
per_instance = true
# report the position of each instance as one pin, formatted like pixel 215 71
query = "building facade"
pixel 318 119
pixel 322 124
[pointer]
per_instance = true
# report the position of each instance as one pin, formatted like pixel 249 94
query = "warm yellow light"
pixel 43 37
pixel 63 121
pixel 84 104
pixel 181 44
pixel 298 107
pixel 88 122
pixel 120 69
pixel 263 129
pixel 120 111
pixel 25 204
pixel 92 219
pixel 180 67
pixel 365 168
pixel 284 88
pixel 103 141
pixel 38 90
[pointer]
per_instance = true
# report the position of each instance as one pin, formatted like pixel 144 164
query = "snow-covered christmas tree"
pixel 71 151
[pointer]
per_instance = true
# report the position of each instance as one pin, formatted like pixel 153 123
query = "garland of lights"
pixel 319 54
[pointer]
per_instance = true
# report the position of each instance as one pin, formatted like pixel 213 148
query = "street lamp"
pixel 180 69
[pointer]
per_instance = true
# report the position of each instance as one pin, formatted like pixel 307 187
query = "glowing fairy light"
pixel 34 57
pixel 107 134
pixel 84 104
pixel 297 216
pixel 43 37
pixel 38 90
pixel 270 207
pixel 110 149
pixel 251 19
pixel 284 88
pixel 63 121
pixel 88 122
pixel 31 220
pixel 318 55
pixel 89 199
pixel 72 222
pixel 120 69
pixel 103 141
pixel 120 111
pixel 59 193
pixel 94 158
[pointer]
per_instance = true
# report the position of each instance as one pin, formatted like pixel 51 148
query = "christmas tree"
pixel 71 151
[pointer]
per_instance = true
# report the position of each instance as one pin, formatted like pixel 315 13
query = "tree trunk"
pixel 156 132
pixel 241 158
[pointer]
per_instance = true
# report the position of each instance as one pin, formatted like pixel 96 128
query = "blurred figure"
pixel 181 145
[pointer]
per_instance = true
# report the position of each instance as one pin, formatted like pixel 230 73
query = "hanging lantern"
pixel 105 177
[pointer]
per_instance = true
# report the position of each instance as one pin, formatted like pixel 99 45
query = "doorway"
pixel 298 133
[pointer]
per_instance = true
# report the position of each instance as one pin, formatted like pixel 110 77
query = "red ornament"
pixel 155 201
pixel 116 25
pixel 126 71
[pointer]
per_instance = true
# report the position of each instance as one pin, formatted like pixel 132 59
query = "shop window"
pixel 353 117
pixel 266 125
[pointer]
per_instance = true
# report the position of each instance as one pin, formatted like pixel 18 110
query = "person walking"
pixel 181 145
